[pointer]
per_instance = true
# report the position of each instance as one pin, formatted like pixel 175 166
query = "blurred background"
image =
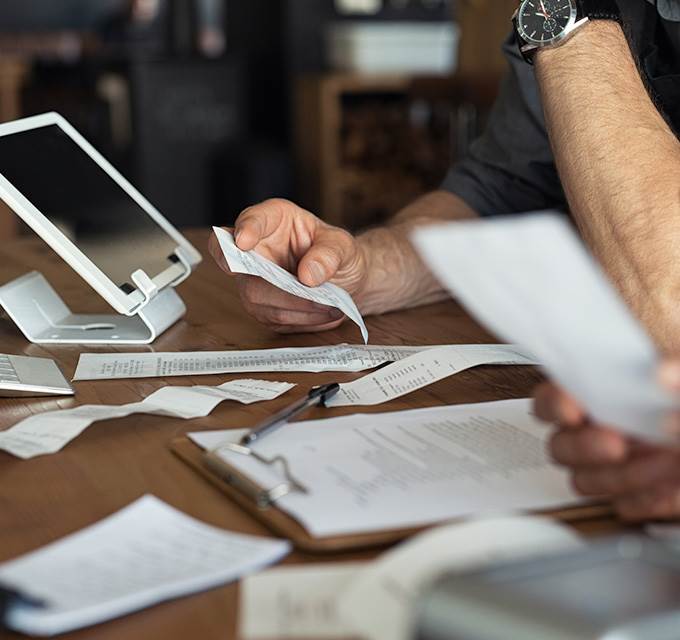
pixel 350 107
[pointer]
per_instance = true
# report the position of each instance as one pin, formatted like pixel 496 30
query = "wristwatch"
pixel 548 23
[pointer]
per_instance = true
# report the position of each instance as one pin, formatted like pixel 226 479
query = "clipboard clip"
pixel 263 498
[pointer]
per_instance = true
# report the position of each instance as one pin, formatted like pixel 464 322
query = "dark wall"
pixel 23 15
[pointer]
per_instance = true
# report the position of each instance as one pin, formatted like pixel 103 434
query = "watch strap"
pixel 599 10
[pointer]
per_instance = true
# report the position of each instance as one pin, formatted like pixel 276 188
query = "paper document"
pixel 531 281
pixel 138 557
pixel 410 468
pixel 423 369
pixel 342 357
pixel 253 264
pixel 375 600
pixel 49 432
pixel 296 602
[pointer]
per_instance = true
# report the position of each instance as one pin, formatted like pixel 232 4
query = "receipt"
pixel 49 432
pixel 342 357
pixel 423 369
pixel 253 264
pixel 296 602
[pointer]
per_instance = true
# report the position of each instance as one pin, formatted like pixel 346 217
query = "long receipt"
pixel 144 554
pixel 341 357
pixel 408 468
pixel 253 264
pixel 530 280
pixel 49 432
pixel 423 369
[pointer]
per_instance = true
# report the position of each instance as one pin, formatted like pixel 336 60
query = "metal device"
pixel 22 376
pixel 622 589
pixel 101 226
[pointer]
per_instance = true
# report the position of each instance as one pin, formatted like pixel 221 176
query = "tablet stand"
pixel 43 317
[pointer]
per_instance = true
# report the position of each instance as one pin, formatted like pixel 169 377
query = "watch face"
pixel 542 22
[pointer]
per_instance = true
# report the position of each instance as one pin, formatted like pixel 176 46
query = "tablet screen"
pixel 74 193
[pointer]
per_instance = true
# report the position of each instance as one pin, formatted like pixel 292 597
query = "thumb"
pixel 327 255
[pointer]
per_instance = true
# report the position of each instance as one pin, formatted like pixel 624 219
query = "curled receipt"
pixel 49 432
pixel 253 264
pixel 423 369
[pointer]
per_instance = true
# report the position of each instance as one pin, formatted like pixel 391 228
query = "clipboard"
pixel 253 499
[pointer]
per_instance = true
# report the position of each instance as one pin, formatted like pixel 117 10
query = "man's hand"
pixel 300 242
pixel 642 480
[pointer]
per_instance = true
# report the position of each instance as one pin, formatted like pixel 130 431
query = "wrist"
pixel 597 38
pixel 367 296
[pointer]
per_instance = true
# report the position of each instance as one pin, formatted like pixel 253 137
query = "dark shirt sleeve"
pixel 510 168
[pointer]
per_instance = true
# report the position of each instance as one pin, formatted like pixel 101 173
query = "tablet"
pixel 85 210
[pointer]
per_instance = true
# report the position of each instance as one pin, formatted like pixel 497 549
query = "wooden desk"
pixel 113 463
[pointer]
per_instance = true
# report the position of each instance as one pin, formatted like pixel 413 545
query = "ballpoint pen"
pixel 10 597
pixel 317 396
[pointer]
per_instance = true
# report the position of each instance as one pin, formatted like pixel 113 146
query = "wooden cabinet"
pixel 366 146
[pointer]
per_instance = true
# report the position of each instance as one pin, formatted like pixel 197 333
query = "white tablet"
pixel 87 212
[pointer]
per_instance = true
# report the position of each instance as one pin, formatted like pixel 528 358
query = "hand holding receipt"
pixel 253 264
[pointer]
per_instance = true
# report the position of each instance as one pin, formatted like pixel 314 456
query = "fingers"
pixel 296 328
pixel 332 250
pixel 659 503
pixel 551 404
pixel 588 446
pixel 637 474
pixel 284 312
pixel 259 222
pixel 669 375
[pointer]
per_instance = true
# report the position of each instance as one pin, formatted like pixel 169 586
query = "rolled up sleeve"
pixel 510 168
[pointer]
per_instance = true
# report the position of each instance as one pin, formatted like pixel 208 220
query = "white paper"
pixel 411 468
pixel 423 369
pixel 253 264
pixel 342 357
pixel 380 602
pixel 531 281
pixel 144 554
pixel 296 602
pixel 49 432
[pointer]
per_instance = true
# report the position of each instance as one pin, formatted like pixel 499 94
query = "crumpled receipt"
pixel 49 432
pixel 253 264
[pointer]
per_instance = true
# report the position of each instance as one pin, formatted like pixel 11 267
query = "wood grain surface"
pixel 115 462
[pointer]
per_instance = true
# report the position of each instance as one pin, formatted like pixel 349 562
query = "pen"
pixel 10 597
pixel 317 396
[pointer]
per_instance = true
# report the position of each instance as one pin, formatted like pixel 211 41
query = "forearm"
pixel 619 163
pixel 396 277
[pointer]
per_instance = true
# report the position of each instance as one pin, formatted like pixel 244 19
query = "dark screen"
pixel 79 197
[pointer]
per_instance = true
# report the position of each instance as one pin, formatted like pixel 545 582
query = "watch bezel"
pixel 555 39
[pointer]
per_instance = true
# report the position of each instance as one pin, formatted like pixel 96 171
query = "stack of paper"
pixel 144 554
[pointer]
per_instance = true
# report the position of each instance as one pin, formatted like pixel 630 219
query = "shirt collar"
pixel 668 9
